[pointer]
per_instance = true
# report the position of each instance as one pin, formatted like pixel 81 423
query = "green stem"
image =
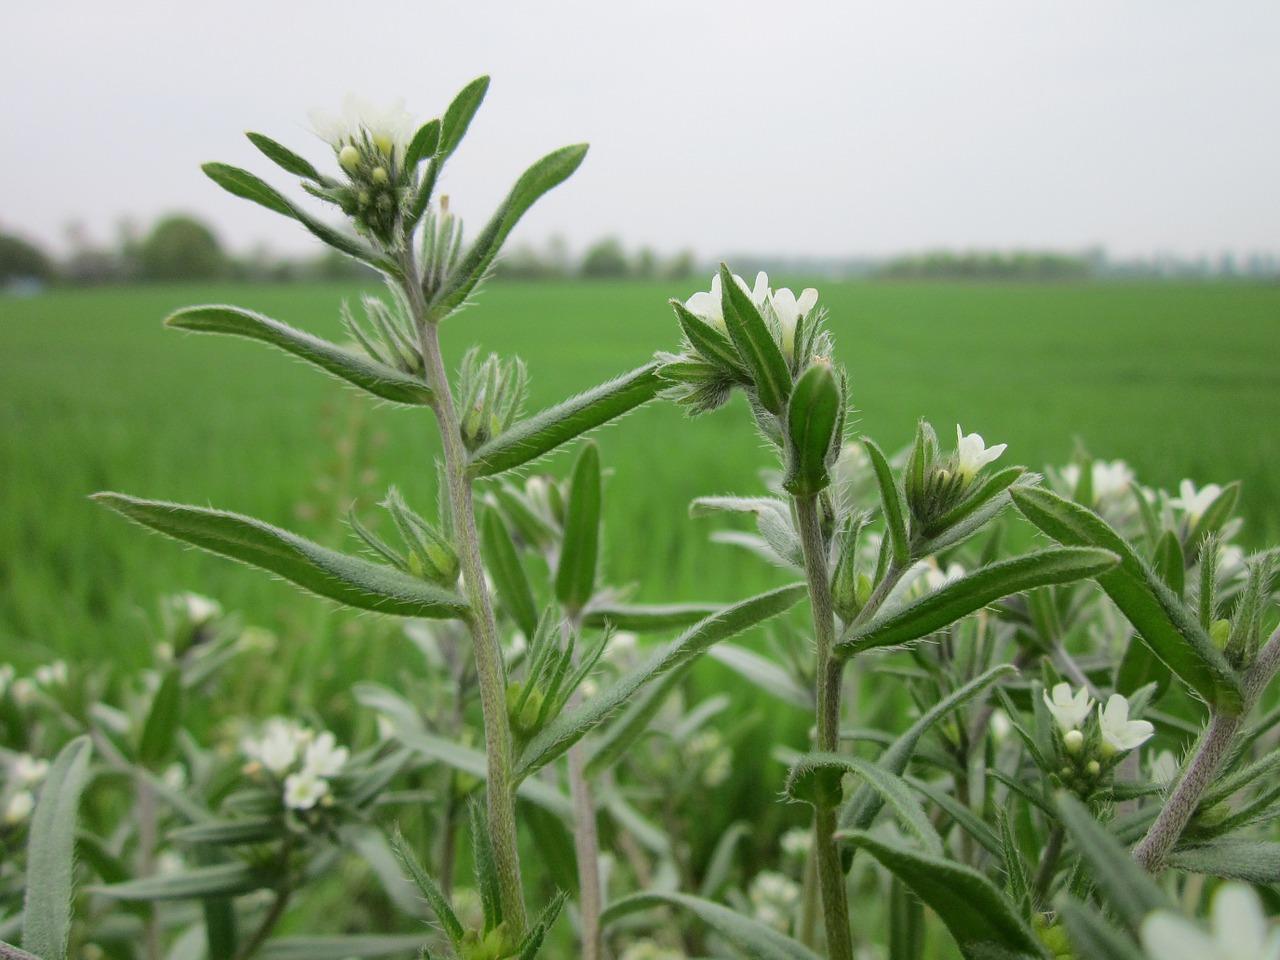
pixel 274 912
pixel 829 674
pixel 586 838
pixel 481 622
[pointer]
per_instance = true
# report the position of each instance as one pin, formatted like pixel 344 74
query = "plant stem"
pixel 274 912
pixel 586 838
pixel 829 674
pixel 481 622
pixel 145 799
pixel 1048 863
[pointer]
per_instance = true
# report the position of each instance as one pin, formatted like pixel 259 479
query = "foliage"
pixel 180 247
pixel 22 260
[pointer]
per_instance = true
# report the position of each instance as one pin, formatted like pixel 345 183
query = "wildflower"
pixel 1195 502
pixel 51 674
pixel 174 776
pixel 1239 931
pixel 28 771
pixel 199 610
pixel 23 690
pixel 19 807
pixel 388 130
pixel 1119 733
pixel 1163 767
pixel 797 842
pixel 972 454
pixel 323 757
pixel 774 897
pixel 1073 741
pixel 277 750
pixel 1001 726
pixel 304 790
pixel 1069 710
pixel 936 578
pixel 708 307
pixel 787 310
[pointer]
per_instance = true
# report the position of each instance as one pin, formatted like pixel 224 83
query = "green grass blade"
pixel 46 912
pixel 367 374
pixel 543 432
pixel 760 941
pixel 974 591
pixel 580 548
pixel 337 576
pixel 570 727
pixel 1166 625
pixel 163 720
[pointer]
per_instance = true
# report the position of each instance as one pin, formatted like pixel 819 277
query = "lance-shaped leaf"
pixel 763 673
pixel 815 779
pixel 895 510
pixel 576 570
pixel 815 411
pixel 1250 860
pixel 341 948
pixel 283 157
pixel 974 591
pixel 550 171
pixel 861 810
pixel 508 573
pixel 760 941
pixel 244 184
pixel 713 345
pixel 423 144
pixel 978 915
pixel 532 943
pixel 1166 625
pixel 757 347
pixel 163 720
pixel 431 891
pixel 456 120
pixel 1091 935
pixel 543 432
pixel 46 911
pixel 567 729
pixel 366 373
pixel 644 618
pixel 230 832
pixel 990 488
pixel 1126 887
pixel 221 880
pixel 337 576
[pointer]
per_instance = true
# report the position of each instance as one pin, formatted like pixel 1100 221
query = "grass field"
pixel 1180 380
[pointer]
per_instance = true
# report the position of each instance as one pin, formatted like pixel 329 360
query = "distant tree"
pixel 180 247
pixel 20 260
pixel 680 266
pixel 606 259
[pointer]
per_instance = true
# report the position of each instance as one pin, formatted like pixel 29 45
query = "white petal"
pixel 807 300
pixel 1167 936
pixel 761 291
pixel 1238 923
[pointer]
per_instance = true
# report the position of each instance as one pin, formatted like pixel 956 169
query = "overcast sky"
pixel 828 128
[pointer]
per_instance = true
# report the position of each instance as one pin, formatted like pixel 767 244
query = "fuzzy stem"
pixel 586 839
pixel 481 622
pixel 831 881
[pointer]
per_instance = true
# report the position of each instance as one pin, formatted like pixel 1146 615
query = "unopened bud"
pixel 380 175
pixel 814 413
pixel 1220 633
pixel 349 158
pixel 1093 768
pixel 1073 741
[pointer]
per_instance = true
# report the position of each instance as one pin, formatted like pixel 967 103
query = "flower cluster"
pixel 299 758
pixel 1089 750
pixel 24 775
pixel 1239 931
pixel 23 689
pixel 774 898
pixel 781 308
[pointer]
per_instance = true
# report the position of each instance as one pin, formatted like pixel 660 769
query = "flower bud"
pixel 349 159
pixel 815 413
pixel 1220 633
pixel 1093 768
pixel 380 175
pixel 1073 741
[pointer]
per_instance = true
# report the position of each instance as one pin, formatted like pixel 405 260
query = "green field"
pixel 1180 380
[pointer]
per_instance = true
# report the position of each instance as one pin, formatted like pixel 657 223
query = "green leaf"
pixel 815 411
pixel 990 488
pixel 865 804
pixel 1253 861
pixel 813 776
pixel 756 345
pixel 720 864
pixel 1215 515
pixel 1126 887
pixel 550 171
pixel 710 343
pixel 453 127
pixel 503 564
pixel 1170 563
pixel 431 891
pixel 349 580
pixel 46 911
pixel 423 144
pixel 617 737
pixel 230 832
pixel 340 948
pixel 975 590
pixel 367 374
pixel 222 880
pixel 567 729
pixel 284 158
pixel 1139 667
pixel 642 618
pixel 895 511
pixel 543 432
pixel 906 923
pixel 538 932
pixel 486 867
pixel 1173 632
pixel 163 720
pixel 976 913
pixel 1092 936
pixel 763 673
pixel 580 548
pixel 760 941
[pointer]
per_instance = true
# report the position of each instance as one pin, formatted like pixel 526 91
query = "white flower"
pixel 19 807
pixel 788 310
pixel 1119 732
pixel 199 610
pixel 1240 931
pixel 774 898
pixel 27 770
pixel 324 757
pixel 1194 502
pixel 1069 710
pixel 277 750
pixel 797 842
pixel 707 306
pixel 51 674
pixel 389 130
pixel 304 790
pixel 174 776
pixel 23 690
pixel 936 578
pixel 1110 479
pixel 1164 767
pixel 972 454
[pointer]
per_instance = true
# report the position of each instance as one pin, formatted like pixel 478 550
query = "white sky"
pixel 826 128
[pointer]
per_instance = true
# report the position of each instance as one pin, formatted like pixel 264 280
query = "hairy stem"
pixel 831 882
pixel 481 622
